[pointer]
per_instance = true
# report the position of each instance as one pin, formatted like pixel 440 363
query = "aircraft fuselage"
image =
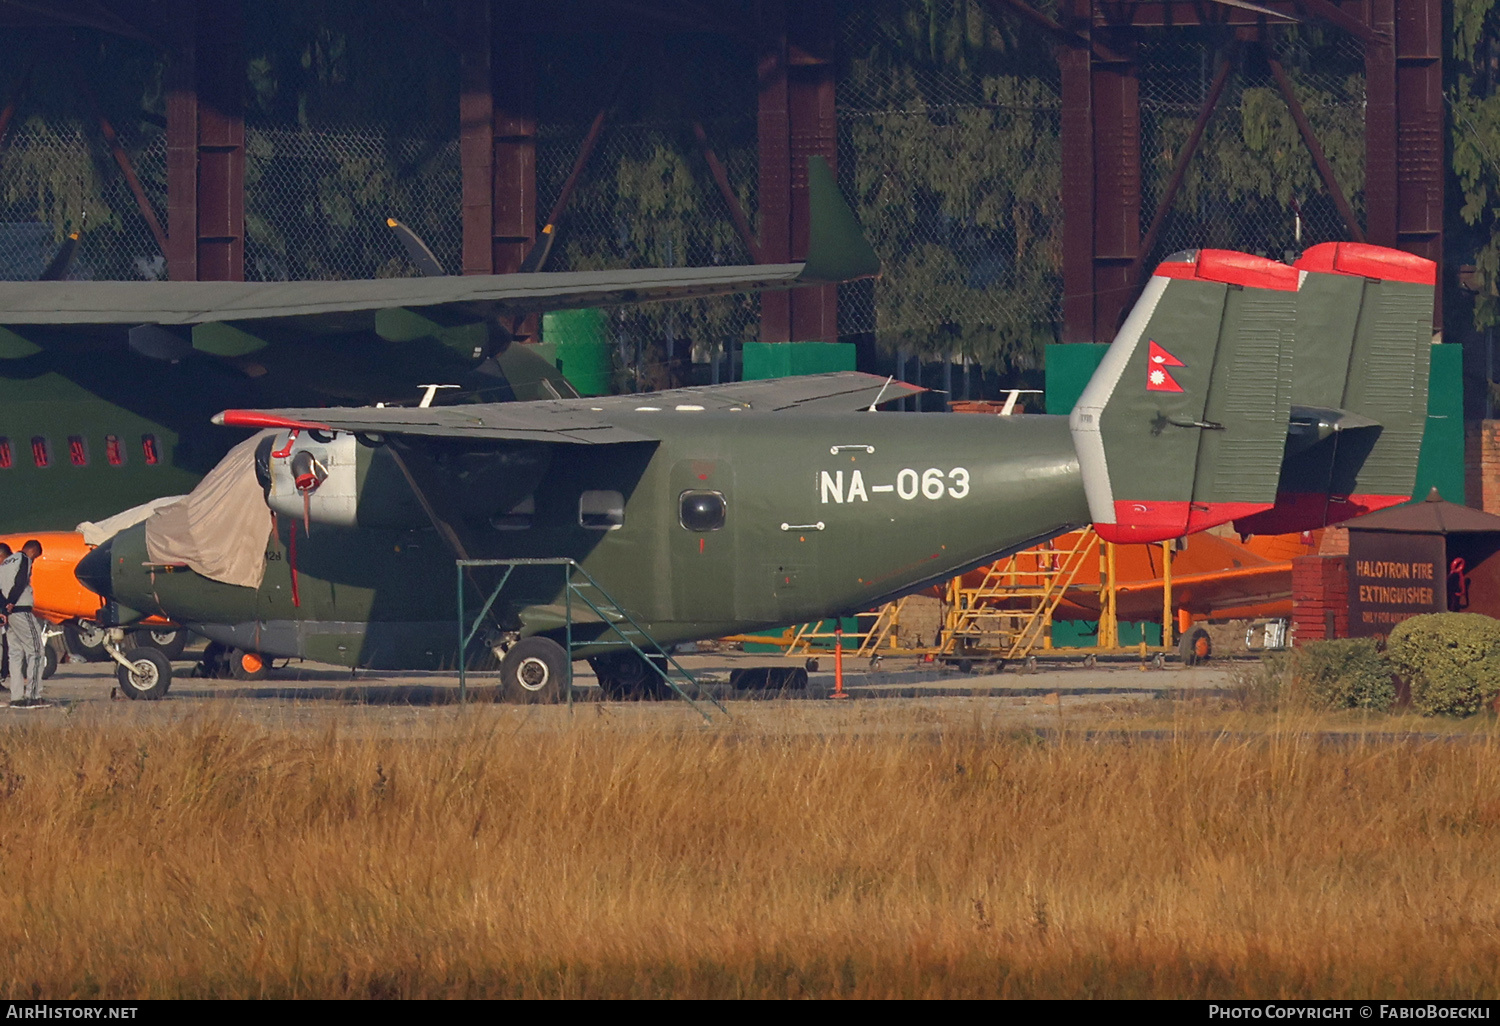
pixel 822 514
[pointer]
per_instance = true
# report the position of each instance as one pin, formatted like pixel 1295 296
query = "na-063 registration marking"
pixel 910 484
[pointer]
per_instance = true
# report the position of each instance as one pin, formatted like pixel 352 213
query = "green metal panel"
pixel 1069 368
pixel 580 348
pixel 1085 633
pixel 1441 464
pixel 788 359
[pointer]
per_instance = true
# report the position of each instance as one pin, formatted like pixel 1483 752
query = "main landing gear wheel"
pixel 245 665
pixel 169 641
pixel 769 678
pixel 626 676
pixel 1195 647
pixel 148 676
pixel 85 639
pixel 533 671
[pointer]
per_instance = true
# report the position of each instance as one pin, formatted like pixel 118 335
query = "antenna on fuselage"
pixel 881 393
pixel 429 393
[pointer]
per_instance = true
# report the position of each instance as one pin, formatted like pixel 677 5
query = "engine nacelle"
pixel 323 474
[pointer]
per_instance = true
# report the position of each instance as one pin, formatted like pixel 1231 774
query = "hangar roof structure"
pixel 1106 235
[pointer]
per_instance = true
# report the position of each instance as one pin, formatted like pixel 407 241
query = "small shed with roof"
pixel 1425 557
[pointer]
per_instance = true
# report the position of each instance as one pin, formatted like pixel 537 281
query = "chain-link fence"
pixel 1253 185
pixel 53 176
pixel 948 127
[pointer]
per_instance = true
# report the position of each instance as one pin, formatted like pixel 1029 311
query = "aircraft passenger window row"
pixel 601 510
pixel 78 451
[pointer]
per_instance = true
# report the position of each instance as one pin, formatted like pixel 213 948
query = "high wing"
pixel 342 306
pixel 235 319
pixel 583 421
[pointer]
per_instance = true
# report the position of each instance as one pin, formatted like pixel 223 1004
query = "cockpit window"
pixel 702 510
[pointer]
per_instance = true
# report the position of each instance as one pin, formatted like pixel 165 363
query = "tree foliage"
pixel 1474 103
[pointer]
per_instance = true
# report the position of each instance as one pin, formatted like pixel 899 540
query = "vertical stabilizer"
pixel 1183 425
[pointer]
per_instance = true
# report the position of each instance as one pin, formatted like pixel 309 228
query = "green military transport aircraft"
pixel 106 388
pixel 1237 388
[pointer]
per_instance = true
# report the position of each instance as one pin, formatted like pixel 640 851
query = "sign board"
pixel 1393 577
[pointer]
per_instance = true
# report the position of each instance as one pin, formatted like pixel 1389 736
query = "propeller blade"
pixel 416 250
pixel 1245 5
pixel 62 261
pixel 537 258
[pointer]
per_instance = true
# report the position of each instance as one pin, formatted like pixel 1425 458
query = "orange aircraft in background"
pixel 62 601
pixel 1213 578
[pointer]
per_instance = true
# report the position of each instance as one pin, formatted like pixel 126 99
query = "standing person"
pixel 5 551
pixel 24 630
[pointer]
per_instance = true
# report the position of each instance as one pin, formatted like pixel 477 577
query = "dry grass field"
pixel 208 857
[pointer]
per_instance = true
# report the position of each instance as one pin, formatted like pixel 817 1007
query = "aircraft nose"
pixel 93 570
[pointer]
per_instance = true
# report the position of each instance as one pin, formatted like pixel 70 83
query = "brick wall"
pixel 1482 465
pixel 1320 597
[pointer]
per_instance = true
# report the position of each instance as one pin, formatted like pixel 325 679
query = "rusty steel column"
pixel 206 144
pixel 1419 133
pixel 1380 127
pixel 774 149
pixel 1404 129
pixel 797 119
pixel 497 138
pixel 476 138
pixel 513 88
pixel 1077 179
pixel 1117 177
pixel 182 146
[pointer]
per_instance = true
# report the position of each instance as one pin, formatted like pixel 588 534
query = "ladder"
pixel 1010 612
pixel 582 595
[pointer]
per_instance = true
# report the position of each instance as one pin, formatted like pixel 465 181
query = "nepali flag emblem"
pixel 1158 378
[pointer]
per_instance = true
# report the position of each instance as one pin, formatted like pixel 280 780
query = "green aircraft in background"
pixel 107 388
pixel 1238 390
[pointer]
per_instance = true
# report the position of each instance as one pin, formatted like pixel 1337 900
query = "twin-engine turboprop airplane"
pixel 1237 388
pixel 106 388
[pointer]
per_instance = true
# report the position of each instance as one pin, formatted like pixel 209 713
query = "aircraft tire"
pixel 1195 647
pixel 149 675
pixel 533 672
pixel 85 640
pixel 625 676
pixel 169 641
pixel 244 665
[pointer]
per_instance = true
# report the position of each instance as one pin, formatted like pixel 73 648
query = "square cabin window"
pixel 601 510
pixel 518 518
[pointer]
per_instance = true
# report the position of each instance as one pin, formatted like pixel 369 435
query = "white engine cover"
pixel 336 500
